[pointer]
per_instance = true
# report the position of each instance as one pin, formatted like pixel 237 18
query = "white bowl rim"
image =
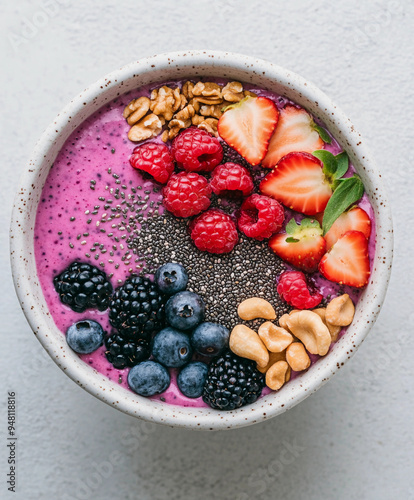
pixel 298 389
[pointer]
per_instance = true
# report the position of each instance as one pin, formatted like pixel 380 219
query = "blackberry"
pixel 82 286
pixel 122 352
pixel 137 308
pixel 232 382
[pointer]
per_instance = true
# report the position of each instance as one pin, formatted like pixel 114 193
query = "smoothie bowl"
pixel 201 239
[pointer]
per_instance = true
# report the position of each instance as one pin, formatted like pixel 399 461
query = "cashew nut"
pixel 340 311
pixel 309 328
pixel 274 357
pixel 256 307
pixel 246 343
pixel 297 357
pixel 333 329
pixel 282 321
pixel 276 339
pixel 277 375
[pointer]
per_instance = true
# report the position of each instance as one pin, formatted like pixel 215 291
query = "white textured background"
pixel 351 440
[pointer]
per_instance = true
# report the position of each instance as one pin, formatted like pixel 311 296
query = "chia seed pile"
pixel 143 236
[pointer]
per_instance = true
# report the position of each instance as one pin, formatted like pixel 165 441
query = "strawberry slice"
pixel 354 220
pixel 347 262
pixel 299 183
pixel 248 125
pixel 302 245
pixel 294 132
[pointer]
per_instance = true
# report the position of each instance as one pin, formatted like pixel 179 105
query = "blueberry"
pixel 185 310
pixel 192 378
pixel 171 278
pixel 85 336
pixel 210 339
pixel 148 378
pixel 172 348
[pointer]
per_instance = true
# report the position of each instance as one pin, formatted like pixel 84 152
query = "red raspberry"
pixel 231 177
pixel 214 232
pixel 260 217
pixel 196 150
pixel 293 288
pixel 155 159
pixel 187 194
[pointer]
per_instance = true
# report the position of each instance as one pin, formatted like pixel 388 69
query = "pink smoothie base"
pixel 67 203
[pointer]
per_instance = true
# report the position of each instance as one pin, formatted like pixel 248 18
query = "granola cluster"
pixel 199 104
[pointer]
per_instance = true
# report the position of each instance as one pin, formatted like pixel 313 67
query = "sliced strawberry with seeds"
pixel 302 245
pixel 248 125
pixel 299 183
pixel 295 131
pixel 347 262
pixel 354 220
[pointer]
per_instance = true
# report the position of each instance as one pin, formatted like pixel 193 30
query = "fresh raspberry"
pixel 214 232
pixel 187 194
pixel 231 177
pixel 155 159
pixel 260 217
pixel 196 150
pixel 293 288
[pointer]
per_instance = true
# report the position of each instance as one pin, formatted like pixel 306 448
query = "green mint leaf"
pixel 330 164
pixel 291 240
pixel 348 192
pixel 343 164
pixel 323 134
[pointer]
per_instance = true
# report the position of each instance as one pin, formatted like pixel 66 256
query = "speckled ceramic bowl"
pixel 194 64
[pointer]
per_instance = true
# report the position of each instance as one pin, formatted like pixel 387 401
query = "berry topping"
pixel 185 310
pixel 82 286
pixel 122 352
pixel 293 288
pixel 260 217
pixel 295 131
pixel 231 178
pixel 137 308
pixel 172 348
pixel 354 220
pixel 171 278
pixel 192 378
pixel 214 232
pixel 196 150
pixel 209 339
pixel 347 262
pixel 299 183
pixel 302 245
pixel 155 159
pixel 85 336
pixel 148 378
pixel 248 125
pixel 187 194
pixel 232 382
pixel 230 155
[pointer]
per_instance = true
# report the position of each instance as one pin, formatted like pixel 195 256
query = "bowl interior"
pixel 192 65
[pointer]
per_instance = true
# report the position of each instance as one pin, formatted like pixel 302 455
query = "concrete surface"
pixel 351 440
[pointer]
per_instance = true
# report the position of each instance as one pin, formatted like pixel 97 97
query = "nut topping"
pixel 233 92
pixel 276 339
pixel 147 127
pixel 297 357
pixel 246 343
pixel 136 110
pixel 277 375
pixel 255 307
pixel 309 329
pixel 340 311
